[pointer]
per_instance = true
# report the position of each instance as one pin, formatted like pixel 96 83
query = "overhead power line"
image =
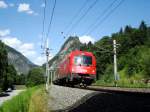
pixel 77 14
pixel 51 19
pixel 101 15
pixel 82 17
pixel 105 17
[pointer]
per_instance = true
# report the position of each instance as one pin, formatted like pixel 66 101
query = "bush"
pixel 146 65
pixel 20 79
pixel 35 77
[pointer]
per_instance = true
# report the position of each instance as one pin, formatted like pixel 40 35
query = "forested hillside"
pixel 133 56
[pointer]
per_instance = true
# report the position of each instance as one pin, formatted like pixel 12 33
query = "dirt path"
pixel 11 94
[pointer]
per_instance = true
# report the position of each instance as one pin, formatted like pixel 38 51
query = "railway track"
pixel 101 99
pixel 114 89
pixel 114 99
pixel 117 90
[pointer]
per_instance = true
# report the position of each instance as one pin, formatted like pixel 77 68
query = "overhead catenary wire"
pixel 105 17
pixel 51 19
pixel 101 15
pixel 76 14
pixel 81 18
pixel 102 49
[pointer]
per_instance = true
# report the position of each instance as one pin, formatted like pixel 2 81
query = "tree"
pixel 121 31
pixel 128 29
pixel 3 65
pixel 20 79
pixel 35 77
pixel 7 72
pixel 143 26
pixel 11 76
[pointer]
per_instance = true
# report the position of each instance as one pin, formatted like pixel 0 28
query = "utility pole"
pixel 47 65
pixel 116 77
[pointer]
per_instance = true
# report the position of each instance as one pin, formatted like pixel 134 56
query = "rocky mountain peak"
pixel 70 44
pixel 19 61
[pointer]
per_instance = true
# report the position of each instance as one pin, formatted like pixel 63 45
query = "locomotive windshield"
pixel 83 60
pixel 87 60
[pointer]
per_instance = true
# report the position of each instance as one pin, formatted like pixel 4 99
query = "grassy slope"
pixel 135 80
pixel 24 101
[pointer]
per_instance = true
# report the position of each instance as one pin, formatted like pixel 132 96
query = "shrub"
pixel 35 77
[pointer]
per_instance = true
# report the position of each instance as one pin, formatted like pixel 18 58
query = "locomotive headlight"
pixel 93 71
pixel 72 69
pixel 85 70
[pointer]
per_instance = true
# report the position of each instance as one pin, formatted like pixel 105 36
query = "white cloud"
pixel 43 5
pixel 40 60
pixel 31 54
pixel 4 32
pixel 3 4
pixel 27 46
pixel 27 49
pixel 24 7
pixel 86 39
pixel 30 12
pixel 12 42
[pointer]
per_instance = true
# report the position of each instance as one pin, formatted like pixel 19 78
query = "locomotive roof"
pixel 76 52
pixel 80 52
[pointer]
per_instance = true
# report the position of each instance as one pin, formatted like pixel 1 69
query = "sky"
pixel 21 22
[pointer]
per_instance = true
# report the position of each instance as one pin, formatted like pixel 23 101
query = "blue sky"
pixel 21 22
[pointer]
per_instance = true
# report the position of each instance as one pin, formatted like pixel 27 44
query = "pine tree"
pixel 143 26
pixel 121 31
pixel 128 29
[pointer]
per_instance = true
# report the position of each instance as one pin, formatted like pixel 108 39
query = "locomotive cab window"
pixel 83 60
pixel 87 60
pixel 77 60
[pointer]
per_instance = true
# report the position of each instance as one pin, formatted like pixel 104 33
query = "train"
pixel 76 68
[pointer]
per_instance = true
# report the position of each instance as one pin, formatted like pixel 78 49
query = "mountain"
pixel 70 44
pixel 19 61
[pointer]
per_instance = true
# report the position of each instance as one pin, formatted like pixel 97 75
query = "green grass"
pixel 38 102
pixel 123 83
pixel 21 102
pixel 134 81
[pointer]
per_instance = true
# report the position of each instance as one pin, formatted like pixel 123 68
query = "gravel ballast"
pixel 65 98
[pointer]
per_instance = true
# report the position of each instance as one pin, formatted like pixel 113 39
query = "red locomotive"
pixel 78 67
